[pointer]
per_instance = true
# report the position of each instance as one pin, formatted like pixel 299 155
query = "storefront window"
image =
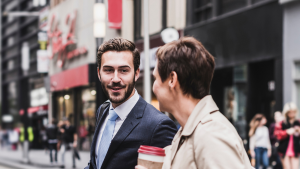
pixel 65 107
pixel 87 118
pixel 235 99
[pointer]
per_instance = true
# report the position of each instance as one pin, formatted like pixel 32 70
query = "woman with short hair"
pixel 206 139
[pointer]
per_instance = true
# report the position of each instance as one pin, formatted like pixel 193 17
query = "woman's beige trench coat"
pixel 208 141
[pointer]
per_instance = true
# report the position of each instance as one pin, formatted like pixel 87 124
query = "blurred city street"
pixel 50 89
pixel 38 159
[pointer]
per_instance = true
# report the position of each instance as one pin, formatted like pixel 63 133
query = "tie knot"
pixel 112 115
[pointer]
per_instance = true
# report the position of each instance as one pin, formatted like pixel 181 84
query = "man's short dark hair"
pixel 119 44
pixel 193 64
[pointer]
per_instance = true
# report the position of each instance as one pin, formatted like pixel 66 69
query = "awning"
pixel 80 76
pixel 70 78
pixel 39 110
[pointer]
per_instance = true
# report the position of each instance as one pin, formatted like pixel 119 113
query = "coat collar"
pixel 204 107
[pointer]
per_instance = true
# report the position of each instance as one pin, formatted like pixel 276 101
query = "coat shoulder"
pixel 217 125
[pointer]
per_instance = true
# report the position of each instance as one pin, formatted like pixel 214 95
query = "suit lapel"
pixel 98 126
pixel 132 120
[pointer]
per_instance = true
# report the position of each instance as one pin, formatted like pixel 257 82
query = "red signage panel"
pixel 115 14
pixel 70 78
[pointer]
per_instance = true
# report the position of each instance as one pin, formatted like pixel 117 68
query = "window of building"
pixel 11 64
pixel 12 28
pixel 87 117
pixel 11 5
pixel 202 10
pixel 297 82
pixel 230 5
pixel 157 17
pixel 11 52
pixel 235 99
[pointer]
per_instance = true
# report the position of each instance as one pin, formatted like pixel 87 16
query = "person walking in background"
pixel 52 133
pixel 287 132
pixel 260 146
pixel 69 140
pixel 1 138
pixel 275 159
pixel 60 124
pixel 82 135
pixel 43 137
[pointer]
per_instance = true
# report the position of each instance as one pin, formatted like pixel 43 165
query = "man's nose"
pixel 116 77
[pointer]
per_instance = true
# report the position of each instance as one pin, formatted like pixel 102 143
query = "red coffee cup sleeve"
pixel 152 150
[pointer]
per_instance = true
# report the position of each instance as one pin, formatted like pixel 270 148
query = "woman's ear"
pixel 173 79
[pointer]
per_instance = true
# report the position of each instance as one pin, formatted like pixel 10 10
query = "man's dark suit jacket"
pixel 144 125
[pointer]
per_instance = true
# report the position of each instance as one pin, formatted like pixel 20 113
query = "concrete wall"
pixel 128 20
pixel 176 14
pixel 291 49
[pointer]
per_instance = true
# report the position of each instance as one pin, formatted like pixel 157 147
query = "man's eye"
pixel 124 70
pixel 108 70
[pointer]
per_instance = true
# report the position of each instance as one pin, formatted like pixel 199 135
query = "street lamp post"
pixel 147 80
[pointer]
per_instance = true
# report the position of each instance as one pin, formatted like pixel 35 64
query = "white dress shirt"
pixel 122 111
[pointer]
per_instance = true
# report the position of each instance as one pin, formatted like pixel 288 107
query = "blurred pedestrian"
pixel 69 141
pixel 82 135
pixel 260 146
pixel 5 138
pixel 43 137
pixel 52 134
pixel 1 138
pixel 275 159
pixel 13 136
pixel 60 125
pixel 287 132
pixel 25 143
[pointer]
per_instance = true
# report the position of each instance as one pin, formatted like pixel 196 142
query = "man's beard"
pixel 127 92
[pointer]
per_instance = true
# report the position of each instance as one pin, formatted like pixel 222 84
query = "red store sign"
pixel 64 47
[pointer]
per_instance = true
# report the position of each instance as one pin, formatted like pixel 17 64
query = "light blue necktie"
pixel 106 137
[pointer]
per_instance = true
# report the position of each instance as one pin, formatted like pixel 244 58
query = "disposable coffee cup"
pixel 151 157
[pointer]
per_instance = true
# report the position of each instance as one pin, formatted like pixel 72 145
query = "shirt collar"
pixel 204 107
pixel 125 108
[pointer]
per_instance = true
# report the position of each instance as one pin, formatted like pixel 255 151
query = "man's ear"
pixel 98 73
pixel 173 79
pixel 137 74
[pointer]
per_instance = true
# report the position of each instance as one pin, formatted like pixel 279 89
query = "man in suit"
pixel 128 121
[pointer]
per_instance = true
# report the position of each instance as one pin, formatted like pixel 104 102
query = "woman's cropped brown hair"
pixel 119 44
pixel 193 64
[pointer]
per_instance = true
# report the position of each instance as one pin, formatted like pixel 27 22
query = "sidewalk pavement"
pixel 40 159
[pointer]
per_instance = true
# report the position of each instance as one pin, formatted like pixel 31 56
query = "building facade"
pixel 291 51
pixel 245 37
pixel 24 98
pixel 75 89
